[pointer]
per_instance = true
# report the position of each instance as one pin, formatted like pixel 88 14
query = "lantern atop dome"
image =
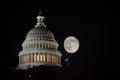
pixel 40 20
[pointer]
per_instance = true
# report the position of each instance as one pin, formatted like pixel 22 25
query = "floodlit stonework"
pixel 39 47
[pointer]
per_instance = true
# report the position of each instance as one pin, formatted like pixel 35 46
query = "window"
pixel 40 45
pixel 37 45
pixel 50 46
pixel 43 45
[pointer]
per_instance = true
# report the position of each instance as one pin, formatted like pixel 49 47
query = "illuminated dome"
pixel 40 33
pixel 39 48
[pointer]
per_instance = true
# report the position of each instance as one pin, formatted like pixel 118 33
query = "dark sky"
pixel 86 20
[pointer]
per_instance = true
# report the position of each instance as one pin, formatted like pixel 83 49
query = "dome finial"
pixel 40 12
pixel 40 20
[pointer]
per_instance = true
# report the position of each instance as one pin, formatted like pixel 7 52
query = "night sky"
pixel 88 21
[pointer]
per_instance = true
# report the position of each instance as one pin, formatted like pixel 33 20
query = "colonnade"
pixel 41 45
pixel 39 57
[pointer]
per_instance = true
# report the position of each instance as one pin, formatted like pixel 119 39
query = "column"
pixel 34 57
pixel 41 57
pixel 48 46
pixel 38 57
pixel 42 45
pixel 52 58
pixel 44 57
pixel 31 57
pixel 48 58
pixel 27 58
pixel 45 46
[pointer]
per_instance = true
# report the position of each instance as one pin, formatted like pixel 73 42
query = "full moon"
pixel 71 44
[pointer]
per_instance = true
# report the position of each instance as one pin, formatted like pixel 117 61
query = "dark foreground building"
pixel 45 73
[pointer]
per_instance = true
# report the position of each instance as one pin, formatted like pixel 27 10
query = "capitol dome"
pixel 40 33
pixel 39 48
